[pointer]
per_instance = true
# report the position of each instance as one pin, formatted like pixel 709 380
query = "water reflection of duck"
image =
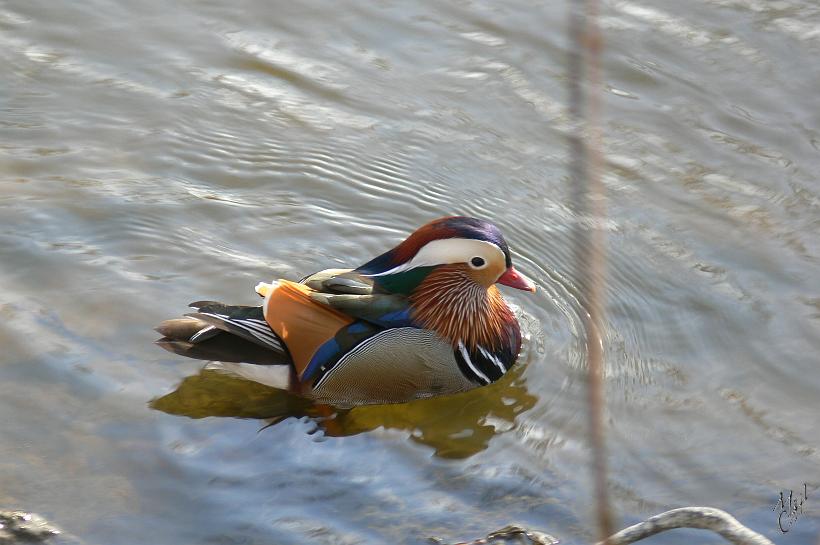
pixel 422 319
pixel 454 426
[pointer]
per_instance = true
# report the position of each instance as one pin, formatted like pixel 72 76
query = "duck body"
pixel 420 320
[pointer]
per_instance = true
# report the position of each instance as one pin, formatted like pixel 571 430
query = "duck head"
pixel 470 249
pixel 448 270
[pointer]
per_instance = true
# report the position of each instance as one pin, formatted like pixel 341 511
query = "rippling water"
pixel 154 153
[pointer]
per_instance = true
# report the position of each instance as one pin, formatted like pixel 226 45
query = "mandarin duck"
pixel 421 319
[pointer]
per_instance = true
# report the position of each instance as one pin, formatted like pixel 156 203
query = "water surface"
pixel 153 154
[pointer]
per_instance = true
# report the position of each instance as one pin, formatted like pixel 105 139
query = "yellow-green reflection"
pixel 455 426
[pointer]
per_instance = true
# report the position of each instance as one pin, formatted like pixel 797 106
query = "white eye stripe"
pixel 447 251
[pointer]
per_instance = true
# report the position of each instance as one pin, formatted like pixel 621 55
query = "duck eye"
pixel 477 262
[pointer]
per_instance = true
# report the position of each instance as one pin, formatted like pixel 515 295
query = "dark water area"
pixel 153 154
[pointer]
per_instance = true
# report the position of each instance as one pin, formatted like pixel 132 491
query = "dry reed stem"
pixel 585 175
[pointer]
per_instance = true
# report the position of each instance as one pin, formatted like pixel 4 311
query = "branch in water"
pixel 703 518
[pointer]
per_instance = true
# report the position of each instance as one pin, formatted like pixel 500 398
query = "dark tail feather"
pixel 224 348
pixel 243 321
pixel 189 330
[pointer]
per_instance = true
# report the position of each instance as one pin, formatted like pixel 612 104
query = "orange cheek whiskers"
pixel 452 304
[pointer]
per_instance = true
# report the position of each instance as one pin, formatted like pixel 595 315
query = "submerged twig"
pixel 508 535
pixel 703 518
